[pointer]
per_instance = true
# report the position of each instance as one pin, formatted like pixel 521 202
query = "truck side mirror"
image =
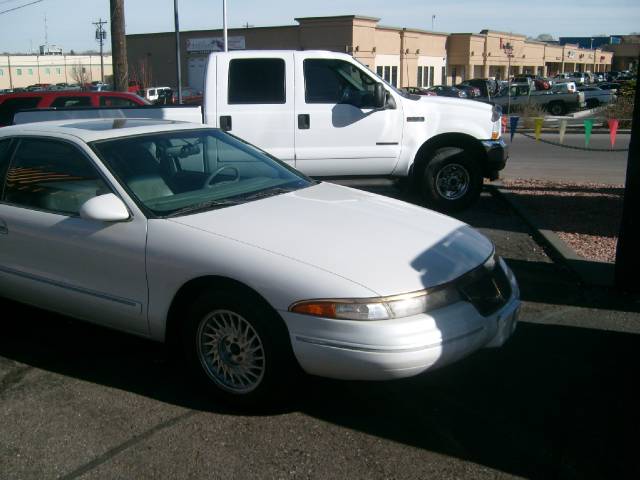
pixel 380 96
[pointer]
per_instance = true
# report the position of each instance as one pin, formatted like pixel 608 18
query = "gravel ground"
pixel 585 215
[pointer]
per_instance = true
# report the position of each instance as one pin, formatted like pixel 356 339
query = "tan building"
pixel 625 53
pixel 19 71
pixel 403 57
pixel 491 54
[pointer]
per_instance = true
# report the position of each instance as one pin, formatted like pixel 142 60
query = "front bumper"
pixel 497 154
pixel 404 347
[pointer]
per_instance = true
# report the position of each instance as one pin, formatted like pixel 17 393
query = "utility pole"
pixel 627 252
pixel 119 47
pixel 101 34
pixel 178 67
pixel 433 22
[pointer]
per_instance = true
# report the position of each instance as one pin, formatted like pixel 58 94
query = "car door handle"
pixel 304 121
pixel 225 123
pixel 4 230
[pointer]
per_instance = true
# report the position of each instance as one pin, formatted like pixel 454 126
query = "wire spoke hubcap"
pixel 231 351
pixel 452 181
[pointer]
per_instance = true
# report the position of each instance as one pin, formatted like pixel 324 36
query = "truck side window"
pixel 337 81
pixel 256 80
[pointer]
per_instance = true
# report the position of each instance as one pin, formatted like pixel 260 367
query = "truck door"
pixel 255 100
pixel 337 130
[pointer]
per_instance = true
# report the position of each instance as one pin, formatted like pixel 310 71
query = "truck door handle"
pixel 225 123
pixel 304 121
pixel 3 228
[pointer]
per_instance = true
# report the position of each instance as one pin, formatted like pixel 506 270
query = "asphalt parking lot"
pixel 558 401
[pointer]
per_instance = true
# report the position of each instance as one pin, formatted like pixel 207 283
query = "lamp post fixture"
pixel 508 50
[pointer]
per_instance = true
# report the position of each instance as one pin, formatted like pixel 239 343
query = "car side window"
pixel 116 102
pixel 12 105
pixel 70 102
pixel 337 81
pixel 257 81
pixel 51 175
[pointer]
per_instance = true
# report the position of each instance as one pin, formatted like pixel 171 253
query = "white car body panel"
pixel 324 241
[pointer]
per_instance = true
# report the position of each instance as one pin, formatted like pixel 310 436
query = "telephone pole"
pixel 101 34
pixel 119 47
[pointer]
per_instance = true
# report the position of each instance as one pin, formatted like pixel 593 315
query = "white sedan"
pixel 181 233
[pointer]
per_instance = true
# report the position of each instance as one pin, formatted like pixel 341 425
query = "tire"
pixel 557 108
pixel 451 180
pixel 238 348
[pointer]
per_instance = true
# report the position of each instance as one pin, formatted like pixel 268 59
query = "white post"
pixel 224 24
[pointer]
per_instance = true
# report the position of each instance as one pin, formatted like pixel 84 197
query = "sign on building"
pixel 214 44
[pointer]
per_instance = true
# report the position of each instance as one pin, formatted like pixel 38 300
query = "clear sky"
pixel 69 22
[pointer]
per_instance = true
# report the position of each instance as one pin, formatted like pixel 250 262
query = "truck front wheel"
pixel 451 180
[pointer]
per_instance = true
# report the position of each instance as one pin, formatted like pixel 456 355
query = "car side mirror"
pixel 379 96
pixel 104 208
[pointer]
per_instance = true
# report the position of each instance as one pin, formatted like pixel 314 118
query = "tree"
pixel 80 74
pixel 545 37
pixel 142 73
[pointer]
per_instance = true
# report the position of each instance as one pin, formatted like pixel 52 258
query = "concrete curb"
pixel 588 271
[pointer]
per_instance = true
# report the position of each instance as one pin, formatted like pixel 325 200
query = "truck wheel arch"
pixel 459 140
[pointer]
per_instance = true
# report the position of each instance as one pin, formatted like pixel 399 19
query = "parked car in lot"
pixel 152 94
pixel 594 96
pixel 9 104
pixel 184 234
pixel 419 91
pixel 470 90
pixel 447 91
pixel 613 86
pixel 487 86
pixel 538 82
pixel 554 103
pixel 191 96
pixel 565 87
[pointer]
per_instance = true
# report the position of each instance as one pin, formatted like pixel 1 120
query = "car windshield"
pixel 181 172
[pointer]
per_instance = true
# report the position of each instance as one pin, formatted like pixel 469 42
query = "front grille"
pixel 487 287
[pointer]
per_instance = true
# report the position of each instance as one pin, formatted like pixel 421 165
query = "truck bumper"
pixel 497 154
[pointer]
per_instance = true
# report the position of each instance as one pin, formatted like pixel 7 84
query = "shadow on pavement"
pixel 555 402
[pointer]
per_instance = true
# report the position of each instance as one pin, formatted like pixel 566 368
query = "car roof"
pixel 62 93
pixel 98 129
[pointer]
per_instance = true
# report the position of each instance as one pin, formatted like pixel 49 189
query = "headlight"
pixel 381 308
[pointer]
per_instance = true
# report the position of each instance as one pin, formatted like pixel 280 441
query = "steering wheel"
pixel 209 179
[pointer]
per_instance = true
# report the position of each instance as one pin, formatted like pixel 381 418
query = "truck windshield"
pixel 181 172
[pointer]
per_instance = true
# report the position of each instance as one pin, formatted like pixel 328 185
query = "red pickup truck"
pixel 12 102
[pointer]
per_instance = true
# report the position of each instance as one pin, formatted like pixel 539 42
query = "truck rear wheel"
pixel 451 180
pixel 557 108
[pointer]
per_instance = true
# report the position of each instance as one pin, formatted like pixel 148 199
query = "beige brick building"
pixel 404 57
pixel 487 54
pixel 19 71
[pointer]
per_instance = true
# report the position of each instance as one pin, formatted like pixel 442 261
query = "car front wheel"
pixel 238 348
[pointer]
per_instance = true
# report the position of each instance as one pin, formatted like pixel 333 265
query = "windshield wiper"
pixel 268 193
pixel 203 206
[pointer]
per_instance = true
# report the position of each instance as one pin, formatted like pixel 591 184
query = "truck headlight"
pixel 379 308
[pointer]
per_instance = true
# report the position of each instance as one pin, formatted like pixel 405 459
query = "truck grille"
pixel 487 287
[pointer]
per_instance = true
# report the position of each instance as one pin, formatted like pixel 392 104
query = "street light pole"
pixel 508 49
pixel 178 67
pixel 224 24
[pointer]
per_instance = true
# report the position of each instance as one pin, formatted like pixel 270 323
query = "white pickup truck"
pixel 329 116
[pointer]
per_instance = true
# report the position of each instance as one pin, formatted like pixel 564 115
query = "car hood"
pixel 386 245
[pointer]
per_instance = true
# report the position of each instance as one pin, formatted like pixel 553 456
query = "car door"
pixel 338 131
pixel 255 100
pixel 53 258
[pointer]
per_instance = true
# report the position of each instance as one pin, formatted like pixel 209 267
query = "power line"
pixel 21 6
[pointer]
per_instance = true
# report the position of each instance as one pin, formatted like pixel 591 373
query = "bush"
pixel 528 112
pixel 622 109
